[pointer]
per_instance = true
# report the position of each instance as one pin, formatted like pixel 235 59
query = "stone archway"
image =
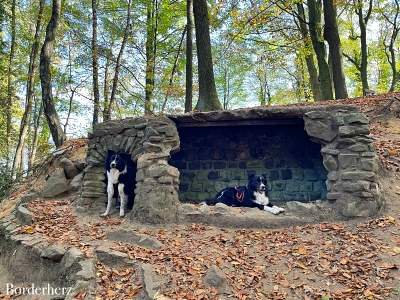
pixel 150 141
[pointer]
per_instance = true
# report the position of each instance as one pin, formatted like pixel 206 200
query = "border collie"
pixel 120 172
pixel 255 194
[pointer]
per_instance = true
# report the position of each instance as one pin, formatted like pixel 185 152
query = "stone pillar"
pixel 157 183
pixel 349 157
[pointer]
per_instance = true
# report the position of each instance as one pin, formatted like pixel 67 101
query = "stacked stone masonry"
pixel 329 154
pixel 150 141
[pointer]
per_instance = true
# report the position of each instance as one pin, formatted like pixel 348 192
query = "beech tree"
pixel 95 67
pixel 10 92
pixel 46 54
pixel 312 70
pixel 189 57
pixel 314 11
pixel 331 34
pixel 208 97
pixel 30 83
pixel 151 32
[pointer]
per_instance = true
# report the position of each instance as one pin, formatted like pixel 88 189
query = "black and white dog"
pixel 120 173
pixel 255 194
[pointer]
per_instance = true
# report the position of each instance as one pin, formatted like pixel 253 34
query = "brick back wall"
pixel 213 158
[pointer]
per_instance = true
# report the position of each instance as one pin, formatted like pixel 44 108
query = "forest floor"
pixel 356 259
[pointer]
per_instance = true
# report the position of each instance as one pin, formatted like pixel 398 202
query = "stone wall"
pixel 212 159
pixel 214 156
pixel 349 157
pixel 150 141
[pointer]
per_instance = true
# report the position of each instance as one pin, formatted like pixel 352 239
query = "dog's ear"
pixel 251 176
pixel 265 176
pixel 110 153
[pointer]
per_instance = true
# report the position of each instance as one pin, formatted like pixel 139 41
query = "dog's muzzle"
pixel 113 165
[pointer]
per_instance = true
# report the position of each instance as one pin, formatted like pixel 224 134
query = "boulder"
pixel 87 271
pixel 56 184
pixel 134 238
pixel 152 282
pixel 69 167
pixel 53 252
pixel 215 278
pixel 24 215
pixel 80 164
pixel 110 257
pixel 71 257
pixel 76 182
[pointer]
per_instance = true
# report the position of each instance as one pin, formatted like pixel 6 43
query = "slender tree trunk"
pixel 150 56
pixel 171 78
pixel 35 136
pixel 30 84
pixel 392 62
pixel 107 116
pixel 312 70
pixel 314 7
pixel 106 88
pixel 2 31
pixel 189 57
pixel 208 97
pixel 390 49
pixel 95 65
pixel 362 22
pixel 331 34
pixel 10 92
pixel 21 161
pixel 46 54
pixel 71 99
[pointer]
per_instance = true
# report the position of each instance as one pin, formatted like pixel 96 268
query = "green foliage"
pixel 258 54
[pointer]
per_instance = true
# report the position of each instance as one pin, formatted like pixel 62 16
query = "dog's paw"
pixel 275 210
pixel 281 209
pixel 121 214
pixel 104 215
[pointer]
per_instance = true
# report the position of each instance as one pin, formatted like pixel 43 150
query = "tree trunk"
pixel 35 137
pixel 2 31
pixel 390 50
pixel 312 70
pixel 392 62
pixel 107 116
pixel 171 78
pixel 30 84
pixel 95 63
pixel 331 34
pixel 46 54
pixel 106 88
pixel 314 7
pixel 362 22
pixel 10 92
pixel 150 57
pixel 208 97
pixel 189 57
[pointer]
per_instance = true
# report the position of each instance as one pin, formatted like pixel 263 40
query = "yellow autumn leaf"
pixel 396 250
pixel 302 250
pixel 28 229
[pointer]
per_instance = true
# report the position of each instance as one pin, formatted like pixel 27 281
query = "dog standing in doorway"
pixel 120 176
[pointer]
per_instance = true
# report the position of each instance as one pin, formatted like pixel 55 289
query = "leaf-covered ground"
pixel 349 260
pixel 318 261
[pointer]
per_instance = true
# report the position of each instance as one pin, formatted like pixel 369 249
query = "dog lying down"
pixel 255 194
pixel 120 173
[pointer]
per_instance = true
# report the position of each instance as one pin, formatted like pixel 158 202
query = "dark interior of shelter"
pixel 217 156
